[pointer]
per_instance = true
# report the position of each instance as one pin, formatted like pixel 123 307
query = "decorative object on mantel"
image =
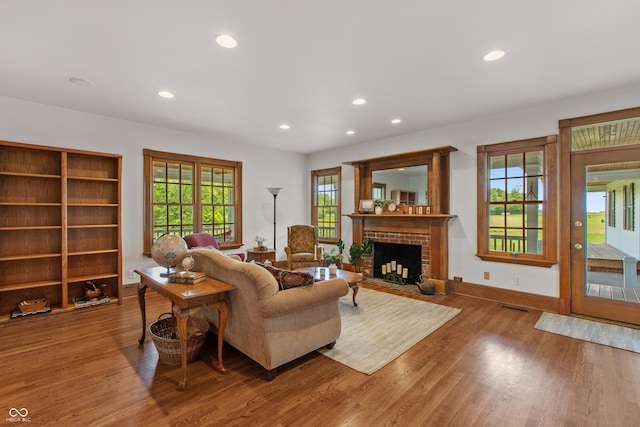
pixel 274 191
pixel 366 206
pixel 381 204
pixel 168 251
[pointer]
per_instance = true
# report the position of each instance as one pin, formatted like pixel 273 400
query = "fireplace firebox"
pixel 398 263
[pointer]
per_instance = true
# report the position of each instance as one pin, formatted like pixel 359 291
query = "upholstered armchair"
pixel 302 246
pixel 205 240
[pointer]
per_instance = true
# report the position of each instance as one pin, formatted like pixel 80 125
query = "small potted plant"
pixel 334 256
pixel 357 254
pixel 380 204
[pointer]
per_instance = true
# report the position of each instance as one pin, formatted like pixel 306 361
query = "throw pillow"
pixel 288 279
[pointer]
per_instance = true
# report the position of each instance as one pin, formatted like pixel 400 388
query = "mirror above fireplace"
pixel 425 174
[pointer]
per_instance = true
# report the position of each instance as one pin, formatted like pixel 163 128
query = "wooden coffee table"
pixel 322 273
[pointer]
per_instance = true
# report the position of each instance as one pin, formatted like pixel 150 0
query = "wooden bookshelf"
pixel 60 224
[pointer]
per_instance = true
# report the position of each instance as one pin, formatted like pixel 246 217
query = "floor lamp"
pixel 274 191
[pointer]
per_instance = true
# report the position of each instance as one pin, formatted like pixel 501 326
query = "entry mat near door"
pixel 588 330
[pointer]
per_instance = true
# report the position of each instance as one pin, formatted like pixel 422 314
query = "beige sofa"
pixel 269 325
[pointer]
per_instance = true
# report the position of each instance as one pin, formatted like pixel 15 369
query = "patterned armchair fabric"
pixel 302 241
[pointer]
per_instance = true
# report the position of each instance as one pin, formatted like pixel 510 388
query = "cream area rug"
pixel 382 327
pixel 587 330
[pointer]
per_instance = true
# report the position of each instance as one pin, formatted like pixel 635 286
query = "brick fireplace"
pixel 430 232
pixel 400 248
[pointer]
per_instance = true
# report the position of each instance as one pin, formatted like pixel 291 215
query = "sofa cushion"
pixel 287 278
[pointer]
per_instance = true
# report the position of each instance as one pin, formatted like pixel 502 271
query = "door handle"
pixel 577 246
pixel 578 223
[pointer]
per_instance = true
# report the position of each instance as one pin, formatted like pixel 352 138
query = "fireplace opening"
pixel 395 262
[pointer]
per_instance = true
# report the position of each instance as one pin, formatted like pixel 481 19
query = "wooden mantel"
pixel 434 225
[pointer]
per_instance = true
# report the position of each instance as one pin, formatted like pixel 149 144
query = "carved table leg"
pixel 142 289
pixel 223 312
pixel 182 317
pixel 355 288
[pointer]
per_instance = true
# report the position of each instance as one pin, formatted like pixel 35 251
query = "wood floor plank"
pixel 487 366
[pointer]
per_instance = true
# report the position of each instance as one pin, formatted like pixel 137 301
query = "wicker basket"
pixel 164 333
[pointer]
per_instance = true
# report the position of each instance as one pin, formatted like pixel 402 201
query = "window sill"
pixel 520 259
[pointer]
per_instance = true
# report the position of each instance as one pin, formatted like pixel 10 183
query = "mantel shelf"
pixel 403 217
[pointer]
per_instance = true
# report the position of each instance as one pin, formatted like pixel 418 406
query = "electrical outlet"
pixel 486 275
pixel 132 275
pixel 516 280
pixel 457 279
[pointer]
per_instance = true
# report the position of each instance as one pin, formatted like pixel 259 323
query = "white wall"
pixel 32 123
pixel 530 123
pixel 625 240
pixel 45 125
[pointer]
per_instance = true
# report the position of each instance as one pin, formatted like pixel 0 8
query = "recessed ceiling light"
pixel 80 82
pixel 166 94
pixel 359 101
pixel 493 55
pixel 396 121
pixel 226 40
pixel 351 132
pixel 285 126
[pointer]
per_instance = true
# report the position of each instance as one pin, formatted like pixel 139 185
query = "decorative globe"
pixel 188 262
pixel 169 250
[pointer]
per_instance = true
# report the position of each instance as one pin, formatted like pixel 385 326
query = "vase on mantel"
pixel 378 210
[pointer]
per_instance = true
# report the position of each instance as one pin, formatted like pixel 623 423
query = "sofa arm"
pixel 301 297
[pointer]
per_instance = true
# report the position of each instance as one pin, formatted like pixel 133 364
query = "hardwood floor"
pixel 486 367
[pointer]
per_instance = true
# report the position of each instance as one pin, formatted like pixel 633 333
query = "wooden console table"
pixel 210 291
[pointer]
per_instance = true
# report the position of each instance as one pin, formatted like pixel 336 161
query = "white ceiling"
pixel 303 62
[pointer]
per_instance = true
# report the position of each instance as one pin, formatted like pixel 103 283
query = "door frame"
pixel 564 175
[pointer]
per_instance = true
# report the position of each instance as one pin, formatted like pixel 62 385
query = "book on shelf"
pixel 187 277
